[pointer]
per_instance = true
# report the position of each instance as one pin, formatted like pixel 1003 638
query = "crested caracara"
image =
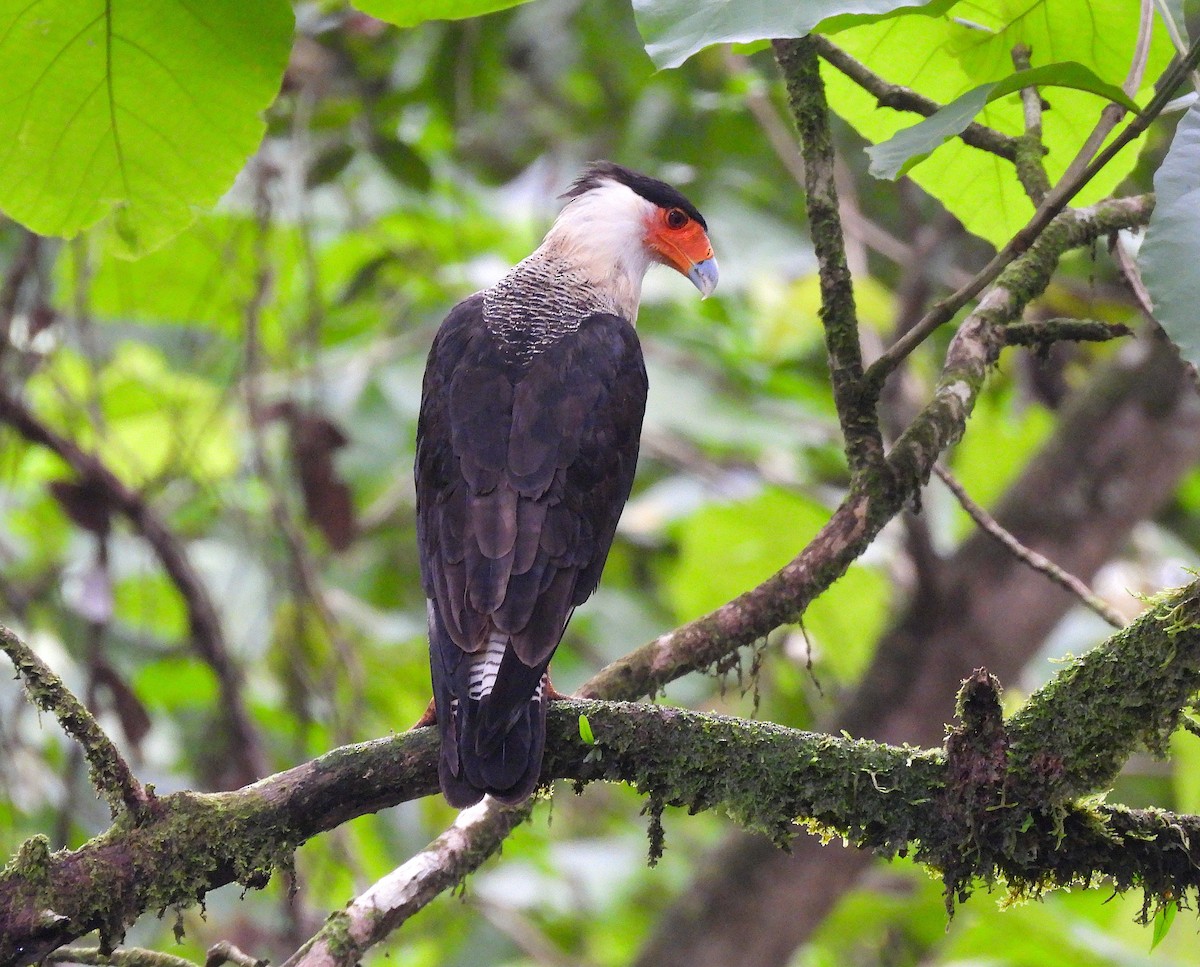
pixel 531 411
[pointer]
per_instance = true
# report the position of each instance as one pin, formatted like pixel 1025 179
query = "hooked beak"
pixel 688 252
pixel 704 276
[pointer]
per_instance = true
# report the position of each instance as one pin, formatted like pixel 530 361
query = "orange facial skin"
pixel 677 239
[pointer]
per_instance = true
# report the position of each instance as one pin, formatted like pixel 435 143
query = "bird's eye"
pixel 676 218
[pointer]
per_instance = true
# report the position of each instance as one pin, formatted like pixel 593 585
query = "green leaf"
pixel 674 30
pixel 943 58
pixel 409 13
pixel 585 730
pixel 910 146
pixel 1163 918
pixel 142 110
pixel 403 163
pixel 1173 239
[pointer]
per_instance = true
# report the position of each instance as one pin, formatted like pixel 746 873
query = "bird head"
pixel 626 221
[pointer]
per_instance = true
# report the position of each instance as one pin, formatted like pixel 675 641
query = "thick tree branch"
pixel 109 772
pixel 209 640
pixel 882 797
pixel 806 94
pixel 372 915
pixel 1121 447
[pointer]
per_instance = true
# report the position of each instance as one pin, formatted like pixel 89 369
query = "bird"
pixel 527 441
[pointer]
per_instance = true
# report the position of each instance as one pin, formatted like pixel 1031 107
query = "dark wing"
pixel 525 456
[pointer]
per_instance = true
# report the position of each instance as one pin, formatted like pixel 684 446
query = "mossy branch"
pixel 130 957
pixel 806 96
pixel 1076 732
pixel 1011 813
pixel 109 772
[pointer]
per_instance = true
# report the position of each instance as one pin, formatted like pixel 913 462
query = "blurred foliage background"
pixel 257 380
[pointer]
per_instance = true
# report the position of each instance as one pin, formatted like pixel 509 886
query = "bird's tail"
pixel 491 745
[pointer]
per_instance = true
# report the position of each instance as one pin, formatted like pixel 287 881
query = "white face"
pixel 606 228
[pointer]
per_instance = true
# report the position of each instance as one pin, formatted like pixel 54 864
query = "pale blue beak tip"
pixel 704 276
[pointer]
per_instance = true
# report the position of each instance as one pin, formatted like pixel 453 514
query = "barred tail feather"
pixel 492 744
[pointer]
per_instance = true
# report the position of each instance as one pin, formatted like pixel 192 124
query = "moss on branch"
pixel 1002 803
pixel 1126 694
pixel 109 772
pixel 801 70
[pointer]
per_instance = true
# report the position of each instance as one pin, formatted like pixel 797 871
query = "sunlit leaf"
pixel 1173 239
pixel 141 110
pixel 674 30
pixel 943 58
pixel 894 157
pixel 409 13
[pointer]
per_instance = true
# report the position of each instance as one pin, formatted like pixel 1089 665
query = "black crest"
pixel 653 190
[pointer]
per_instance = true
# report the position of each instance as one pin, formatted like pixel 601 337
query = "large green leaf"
pixel 944 58
pixel 910 146
pixel 674 30
pixel 409 13
pixel 1172 247
pixel 142 109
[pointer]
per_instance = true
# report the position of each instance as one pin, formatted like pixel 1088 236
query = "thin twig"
pixel 1030 150
pixel 226 953
pixel 20 269
pixel 1049 331
pixel 1175 32
pixel 902 98
pixel 782 140
pixel 1039 562
pixel 526 935
pixel 307 584
pixel 110 774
